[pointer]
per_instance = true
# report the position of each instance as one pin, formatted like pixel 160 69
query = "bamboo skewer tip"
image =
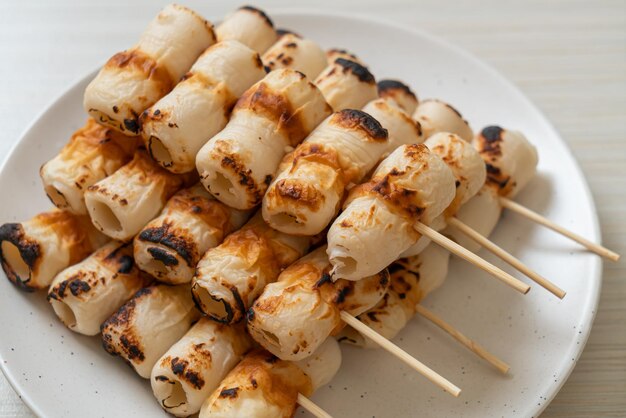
pixel 384 343
pixel 540 219
pixel 506 256
pixel 465 341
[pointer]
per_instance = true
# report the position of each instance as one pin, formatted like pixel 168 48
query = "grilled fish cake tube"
pixel 411 185
pixel 275 114
pixel 412 279
pixel 193 367
pixel 133 80
pixel 346 84
pixel 296 314
pixel 170 246
pixel 232 275
pixel 84 295
pixel 178 125
pixel 92 153
pixel 436 116
pixel 300 54
pixel 263 386
pixel 34 251
pixel 250 26
pixel 511 159
pixel 311 181
pixel 398 93
pixel 146 326
pixel 121 204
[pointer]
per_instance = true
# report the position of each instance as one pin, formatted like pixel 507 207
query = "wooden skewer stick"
pixel 420 367
pixel 464 253
pixel 467 342
pixel 535 217
pixel 308 404
pixel 506 256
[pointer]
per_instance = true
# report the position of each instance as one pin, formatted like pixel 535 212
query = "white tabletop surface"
pixel 569 57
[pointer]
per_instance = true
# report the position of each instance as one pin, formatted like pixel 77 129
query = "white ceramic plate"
pixel 59 373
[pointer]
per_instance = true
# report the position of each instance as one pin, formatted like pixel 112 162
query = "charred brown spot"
pixel 323 280
pixel 77 287
pixel 372 316
pixel 388 87
pixel 489 141
pixel 163 256
pixel 344 292
pixel 161 378
pixel 357 119
pixel 397 198
pixel 169 237
pixel 115 109
pixel 254 383
pixel 282 32
pixel 345 224
pixel 132 348
pixel 180 368
pixel 229 393
pixel 259 12
pixel 361 72
pixel 304 194
pixel 496 177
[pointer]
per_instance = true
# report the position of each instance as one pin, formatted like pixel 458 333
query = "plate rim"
pixel 597 264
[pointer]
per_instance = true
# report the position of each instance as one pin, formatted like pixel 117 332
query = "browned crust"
pixel 352 119
pixel 388 88
pixel 282 32
pixel 30 252
pixel 488 142
pixel 274 106
pixel 121 325
pixel 359 71
pixel 372 285
pixel 279 381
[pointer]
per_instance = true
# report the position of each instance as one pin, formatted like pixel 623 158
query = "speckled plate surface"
pixel 62 374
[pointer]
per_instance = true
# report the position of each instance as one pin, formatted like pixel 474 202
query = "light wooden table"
pixel 569 57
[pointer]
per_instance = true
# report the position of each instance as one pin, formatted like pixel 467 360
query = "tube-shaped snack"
pixel 510 158
pixel 146 326
pixel 263 386
pixel 297 53
pixel 178 125
pixel 34 251
pixel 133 80
pixel 411 185
pixel 250 26
pixel 193 367
pixel 466 164
pixel 309 186
pixel 84 295
pixel 412 279
pixel 170 246
pixel 346 84
pixel 334 53
pixel 277 113
pixel 92 153
pixel 437 116
pixel 398 93
pixel 232 275
pixel 481 213
pixel 296 314
pixel 121 204
pixel 401 127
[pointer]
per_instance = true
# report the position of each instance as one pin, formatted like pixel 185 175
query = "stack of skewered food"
pixel 238 195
